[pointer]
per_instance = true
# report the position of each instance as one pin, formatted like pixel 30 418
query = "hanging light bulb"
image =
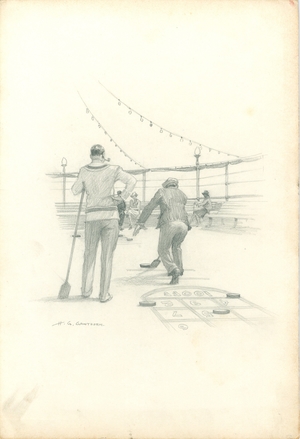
pixel 105 132
pixel 99 126
pixel 130 111
pixel 209 149
pixel 161 130
pixel 111 140
pixel 190 142
pixel 119 102
pixel 170 134
pixel 141 119
pixel 218 152
pixel 151 124
pixel 92 118
pixel 181 139
pixel 87 110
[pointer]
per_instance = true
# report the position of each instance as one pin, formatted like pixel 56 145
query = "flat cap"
pixel 170 182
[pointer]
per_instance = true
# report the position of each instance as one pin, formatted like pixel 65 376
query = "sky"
pixel 215 72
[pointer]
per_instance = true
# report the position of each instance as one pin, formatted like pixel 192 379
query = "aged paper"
pixel 206 87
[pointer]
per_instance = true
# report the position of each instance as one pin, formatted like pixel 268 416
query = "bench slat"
pixel 234 210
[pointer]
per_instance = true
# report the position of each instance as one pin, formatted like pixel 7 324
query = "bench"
pixel 228 210
pixel 233 210
pixel 216 206
pixel 67 214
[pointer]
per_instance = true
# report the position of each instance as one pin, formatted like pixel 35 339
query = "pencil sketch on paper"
pixel 186 307
pixel 205 199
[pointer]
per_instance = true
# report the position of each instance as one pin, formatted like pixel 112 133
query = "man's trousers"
pixel 122 217
pixel 198 216
pixel 133 216
pixel 169 245
pixel 107 231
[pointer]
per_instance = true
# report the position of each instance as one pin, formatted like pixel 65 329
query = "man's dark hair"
pixel 97 150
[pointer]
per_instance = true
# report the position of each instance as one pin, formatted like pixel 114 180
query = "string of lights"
pixel 164 130
pixel 100 126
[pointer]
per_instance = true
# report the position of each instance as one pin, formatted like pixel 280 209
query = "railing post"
pixel 144 186
pixel 197 154
pixel 226 183
pixel 64 163
pixel 198 182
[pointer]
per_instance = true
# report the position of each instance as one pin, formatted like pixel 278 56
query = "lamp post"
pixel 64 163
pixel 197 154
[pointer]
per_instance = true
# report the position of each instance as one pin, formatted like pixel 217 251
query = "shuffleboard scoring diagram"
pixel 183 307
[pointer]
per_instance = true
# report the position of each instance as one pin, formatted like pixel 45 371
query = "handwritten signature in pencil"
pixel 69 323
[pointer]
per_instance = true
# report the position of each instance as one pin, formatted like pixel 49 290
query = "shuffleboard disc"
pixel 129 239
pixel 145 265
pixel 221 311
pixel 233 295
pixel 147 303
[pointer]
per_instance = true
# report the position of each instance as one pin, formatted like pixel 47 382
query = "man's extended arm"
pixel 149 208
pixel 147 212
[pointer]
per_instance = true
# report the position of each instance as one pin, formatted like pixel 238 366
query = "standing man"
pixel 201 208
pixel 121 208
pixel 134 209
pixel 173 224
pixel 98 179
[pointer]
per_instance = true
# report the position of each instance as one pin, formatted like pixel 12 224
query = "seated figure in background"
pixel 134 209
pixel 200 209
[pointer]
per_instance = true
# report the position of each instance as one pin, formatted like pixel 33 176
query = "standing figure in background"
pixel 102 220
pixel 201 208
pixel 134 209
pixel 173 224
pixel 121 208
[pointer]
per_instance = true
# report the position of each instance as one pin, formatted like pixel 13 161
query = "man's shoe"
pixel 180 272
pixel 87 294
pixel 109 297
pixel 175 276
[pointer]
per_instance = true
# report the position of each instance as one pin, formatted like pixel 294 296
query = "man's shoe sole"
pixel 175 281
pixel 106 300
pixel 87 295
pixel 175 277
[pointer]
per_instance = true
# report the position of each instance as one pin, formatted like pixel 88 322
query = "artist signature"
pixel 69 323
